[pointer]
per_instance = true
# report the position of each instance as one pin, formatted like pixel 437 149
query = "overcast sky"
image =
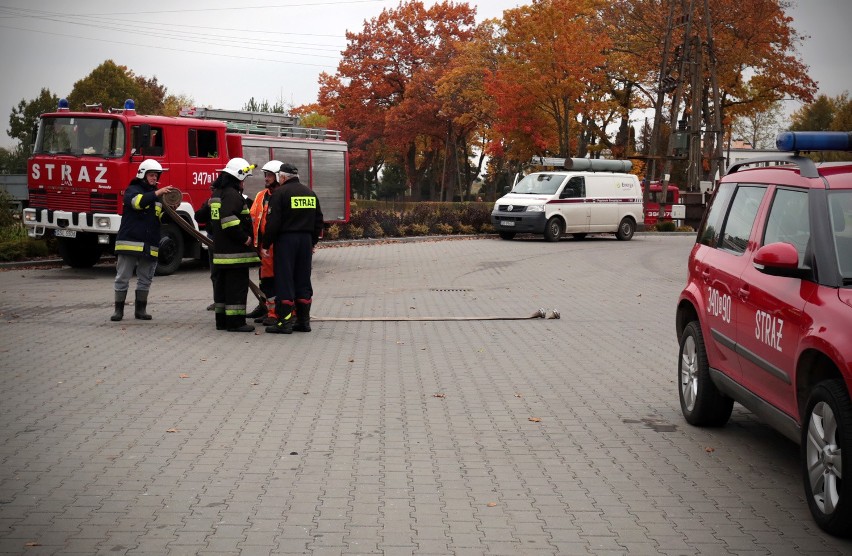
pixel 221 55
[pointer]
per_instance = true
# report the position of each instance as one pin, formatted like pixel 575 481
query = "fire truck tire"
pixel 83 251
pixel 171 250
pixel 507 235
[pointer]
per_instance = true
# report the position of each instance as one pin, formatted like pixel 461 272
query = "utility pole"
pixel 696 132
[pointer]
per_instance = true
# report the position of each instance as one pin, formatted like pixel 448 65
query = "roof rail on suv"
pixel 807 168
pixel 798 141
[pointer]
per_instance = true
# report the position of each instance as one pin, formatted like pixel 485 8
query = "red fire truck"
pixel 83 162
pixel 652 208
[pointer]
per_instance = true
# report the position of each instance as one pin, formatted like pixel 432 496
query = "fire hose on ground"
pixel 171 201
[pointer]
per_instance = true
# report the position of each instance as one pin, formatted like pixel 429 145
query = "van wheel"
pixel 553 229
pixel 507 235
pixel 171 250
pixel 579 236
pixel 826 434
pixel 701 403
pixel 626 229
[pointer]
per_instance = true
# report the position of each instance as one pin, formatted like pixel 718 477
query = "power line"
pixel 134 27
pixel 167 48
pixel 294 5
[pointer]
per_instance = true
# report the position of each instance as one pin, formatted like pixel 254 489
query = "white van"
pixel 587 197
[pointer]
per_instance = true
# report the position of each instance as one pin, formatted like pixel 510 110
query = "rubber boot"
pixel 141 304
pixel 221 320
pixel 271 314
pixel 120 297
pixel 237 323
pixel 303 317
pixel 284 324
pixel 257 312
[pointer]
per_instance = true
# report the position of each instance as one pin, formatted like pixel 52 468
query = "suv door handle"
pixel 743 292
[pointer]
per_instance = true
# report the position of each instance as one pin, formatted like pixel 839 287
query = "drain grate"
pixel 450 289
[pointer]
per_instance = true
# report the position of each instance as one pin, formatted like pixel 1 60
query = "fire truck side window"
pixel 203 143
pixel 155 146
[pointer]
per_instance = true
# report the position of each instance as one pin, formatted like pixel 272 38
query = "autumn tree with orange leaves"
pixel 383 95
pixel 551 55
pixel 423 89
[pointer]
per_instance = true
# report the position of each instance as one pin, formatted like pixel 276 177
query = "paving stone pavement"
pixel 492 437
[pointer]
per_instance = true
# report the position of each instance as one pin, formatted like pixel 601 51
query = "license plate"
pixel 65 233
pixel 507 222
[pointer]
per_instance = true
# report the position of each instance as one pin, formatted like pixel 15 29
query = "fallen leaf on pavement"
pixel 535 419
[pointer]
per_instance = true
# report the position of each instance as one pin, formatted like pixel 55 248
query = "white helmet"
pixel 239 168
pixel 149 165
pixel 272 166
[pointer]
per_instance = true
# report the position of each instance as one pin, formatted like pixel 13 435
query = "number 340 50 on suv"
pixel 766 316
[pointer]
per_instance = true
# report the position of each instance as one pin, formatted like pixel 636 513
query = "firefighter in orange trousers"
pixel 233 246
pixel 267 314
pixel 294 223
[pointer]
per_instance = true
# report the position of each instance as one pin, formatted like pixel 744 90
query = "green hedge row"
pixel 377 219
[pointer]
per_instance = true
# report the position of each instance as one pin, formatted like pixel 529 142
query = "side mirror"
pixel 778 259
pixel 506 189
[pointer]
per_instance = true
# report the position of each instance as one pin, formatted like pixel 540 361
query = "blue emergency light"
pixel 814 141
pixel 129 104
pixel 63 104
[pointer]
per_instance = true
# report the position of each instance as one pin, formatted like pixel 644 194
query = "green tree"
pixel 13 161
pixel 151 96
pixel 277 107
pixel 24 118
pixel 173 103
pixel 825 114
pixel 816 116
pixel 393 183
pixel 110 85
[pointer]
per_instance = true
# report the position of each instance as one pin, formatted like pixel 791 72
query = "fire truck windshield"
pixel 102 137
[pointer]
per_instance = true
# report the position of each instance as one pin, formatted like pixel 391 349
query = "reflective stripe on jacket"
pixel 139 231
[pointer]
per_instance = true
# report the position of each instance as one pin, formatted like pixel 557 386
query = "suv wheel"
pixel 826 434
pixel 701 402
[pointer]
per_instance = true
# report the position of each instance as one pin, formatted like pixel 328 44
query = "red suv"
pixel 765 318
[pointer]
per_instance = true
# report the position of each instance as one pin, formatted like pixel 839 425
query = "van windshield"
pixel 539 184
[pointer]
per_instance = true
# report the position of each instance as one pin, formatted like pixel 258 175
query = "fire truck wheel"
pixel 80 252
pixel 171 250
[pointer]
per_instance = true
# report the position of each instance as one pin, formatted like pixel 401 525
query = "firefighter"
pixel 265 314
pixel 294 222
pixel 138 239
pixel 233 246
